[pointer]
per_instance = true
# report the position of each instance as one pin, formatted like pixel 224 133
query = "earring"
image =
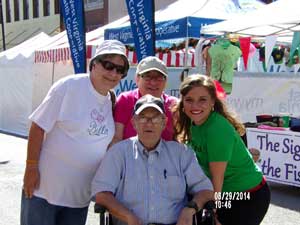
pixel 213 108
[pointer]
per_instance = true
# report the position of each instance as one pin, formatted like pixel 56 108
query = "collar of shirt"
pixel 141 149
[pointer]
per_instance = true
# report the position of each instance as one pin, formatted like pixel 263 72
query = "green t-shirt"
pixel 217 141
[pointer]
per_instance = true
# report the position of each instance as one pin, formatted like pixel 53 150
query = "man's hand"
pixel 186 216
pixel 133 220
pixel 255 154
pixel 31 180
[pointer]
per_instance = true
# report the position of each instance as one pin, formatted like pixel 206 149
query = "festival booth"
pixel 49 60
pixel 269 88
pixel 22 81
pixel 179 22
pixel 273 89
pixel 16 80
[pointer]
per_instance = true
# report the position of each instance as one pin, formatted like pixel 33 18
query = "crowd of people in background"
pixel 148 157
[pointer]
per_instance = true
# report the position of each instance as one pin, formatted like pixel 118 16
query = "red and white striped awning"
pixel 171 59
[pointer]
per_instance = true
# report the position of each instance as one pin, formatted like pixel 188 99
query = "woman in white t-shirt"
pixel 69 135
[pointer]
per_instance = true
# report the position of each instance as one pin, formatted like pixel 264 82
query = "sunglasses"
pixel 111 66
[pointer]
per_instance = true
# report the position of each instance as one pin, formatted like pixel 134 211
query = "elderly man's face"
pixel 149 125
pixel 152 82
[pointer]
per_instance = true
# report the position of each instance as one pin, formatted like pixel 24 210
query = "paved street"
pixel 285 207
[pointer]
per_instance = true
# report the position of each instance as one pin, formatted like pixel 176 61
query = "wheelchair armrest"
pixel 99 208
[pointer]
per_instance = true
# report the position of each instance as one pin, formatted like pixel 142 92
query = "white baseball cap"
pixel 151 63
pixel 110 47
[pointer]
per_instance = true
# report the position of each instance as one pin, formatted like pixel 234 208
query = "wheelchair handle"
pixel 99 208
pixel 210 205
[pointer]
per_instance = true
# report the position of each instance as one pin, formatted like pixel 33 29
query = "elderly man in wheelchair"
pixel 146 180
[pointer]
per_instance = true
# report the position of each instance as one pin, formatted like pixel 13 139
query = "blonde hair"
pixel 182 122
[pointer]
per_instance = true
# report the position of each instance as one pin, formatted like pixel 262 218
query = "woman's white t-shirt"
pixel 79 125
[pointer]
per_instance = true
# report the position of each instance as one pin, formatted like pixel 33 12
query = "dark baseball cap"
pixel 149 101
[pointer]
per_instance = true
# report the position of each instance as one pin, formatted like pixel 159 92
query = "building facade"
pixel 24 19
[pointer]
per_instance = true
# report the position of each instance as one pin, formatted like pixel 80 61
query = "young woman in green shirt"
pixel 203 121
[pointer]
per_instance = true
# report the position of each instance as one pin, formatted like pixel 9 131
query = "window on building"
pixel 35 8
pixel 7 10
pixel 16 10
pixel 25 10
pixel 46 7
pixel 56 7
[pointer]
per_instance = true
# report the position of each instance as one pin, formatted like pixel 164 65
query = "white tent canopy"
pixel 187 16
pixel 221 9
pixel 25 48
pixel 93 38
pixel 279 18
pixel 16 81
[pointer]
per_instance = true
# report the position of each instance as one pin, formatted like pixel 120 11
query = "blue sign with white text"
pixel 171 29
pixel 73 16
pixel 141 13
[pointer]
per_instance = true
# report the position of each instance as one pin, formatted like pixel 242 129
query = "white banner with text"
pixel 279 154
pixel 254 94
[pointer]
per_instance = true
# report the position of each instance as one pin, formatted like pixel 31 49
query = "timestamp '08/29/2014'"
pixel 223 199
pixel 232 196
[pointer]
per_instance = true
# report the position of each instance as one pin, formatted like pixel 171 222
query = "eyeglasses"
pixel 153 120
pixel 111 66
pixel 155 78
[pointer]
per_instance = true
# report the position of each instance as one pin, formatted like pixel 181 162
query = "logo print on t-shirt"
pixel 96 125
pixel 95 115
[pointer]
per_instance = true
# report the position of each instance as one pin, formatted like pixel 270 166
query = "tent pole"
pixel 153 26
pixel 186 43
pixel 2 26
pixel 52 79
pixel 186 52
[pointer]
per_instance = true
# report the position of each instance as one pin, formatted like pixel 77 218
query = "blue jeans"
pixel 37 211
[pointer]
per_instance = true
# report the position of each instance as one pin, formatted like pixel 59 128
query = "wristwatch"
pixel 193 205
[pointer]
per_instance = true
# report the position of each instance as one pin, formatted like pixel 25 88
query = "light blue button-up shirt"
pixel 154 185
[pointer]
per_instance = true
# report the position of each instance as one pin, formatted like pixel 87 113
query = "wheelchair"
pixel 205 216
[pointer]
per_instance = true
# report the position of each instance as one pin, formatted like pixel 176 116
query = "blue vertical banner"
pixel 141 13
pixel 73 16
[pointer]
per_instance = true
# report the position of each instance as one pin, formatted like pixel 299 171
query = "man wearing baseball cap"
pixel 145 179
pixel 69 135
pixel 151 78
